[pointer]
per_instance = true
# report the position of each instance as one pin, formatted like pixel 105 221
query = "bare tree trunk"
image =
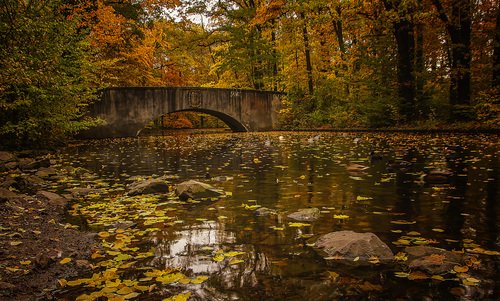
pixel 459 29
pixel 403 32
pixel 496 53
pixel 305 36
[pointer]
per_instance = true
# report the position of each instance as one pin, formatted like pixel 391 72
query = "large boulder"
pixel 431 260
pixel 196 190
pixel 150 186
pixel 353 247
pixel 306 215
pixel 52 198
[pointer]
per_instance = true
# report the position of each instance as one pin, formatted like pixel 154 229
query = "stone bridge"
pixel 126 111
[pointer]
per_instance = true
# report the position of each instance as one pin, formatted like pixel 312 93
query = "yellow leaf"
pixel 15 243
pixel 340 216
pixel 131 295
pixel 363 198
pixel 438 230
pixel 233 253
pixel 170 278
pixel 413 233
pixel 199 279
pixel 103 234
pixel 401 274
pixel 179 297
pixel 125 290
pixel 472 280
pixel 218 258
pixel 400 256
pixel 26 262
pixel 235 261
pixel 298 225
pixel 62 282
pixel 403 222
pixel 461 269
pixel 65 260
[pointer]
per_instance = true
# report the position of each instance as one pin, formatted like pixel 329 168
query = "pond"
pixel 156 247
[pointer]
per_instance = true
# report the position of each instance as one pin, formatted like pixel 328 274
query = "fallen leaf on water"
pixel 438 230
pixel 340 216
pixel 62 282
pixel 403 222
pixel 233 253
pixel 401 256
pixel 401 274
pixel 218 258
pixel 297 225
pixel 103 234
pixel 179 297
pixel 199 279
pixel 461 269
pixel 418 276
pixel 65 260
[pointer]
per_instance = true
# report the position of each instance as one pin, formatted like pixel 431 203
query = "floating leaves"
pixel 403 222
pixel 297 225
pixel 65 260
pixel 340 216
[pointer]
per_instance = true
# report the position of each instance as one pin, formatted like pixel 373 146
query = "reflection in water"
pixel 301 171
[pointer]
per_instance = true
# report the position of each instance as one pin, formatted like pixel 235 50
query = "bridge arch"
pixel 231 122
pixel 125 111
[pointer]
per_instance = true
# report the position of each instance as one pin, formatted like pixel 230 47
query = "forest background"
pixel 341 63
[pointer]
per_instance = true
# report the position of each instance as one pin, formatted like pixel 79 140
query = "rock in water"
pixel 353 247
pixel 148 187
pixel 52 198
pixel 431 260
pixel 306 215
pixel 196 190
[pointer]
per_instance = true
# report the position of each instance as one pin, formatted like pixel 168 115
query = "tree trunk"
pixel 305 36
pixel 403 32
pixel 459 29
pixel 406 76
pixel 496 53
pixel 460 52
pixel 420 67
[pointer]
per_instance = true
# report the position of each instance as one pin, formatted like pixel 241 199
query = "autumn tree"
pixel 44 74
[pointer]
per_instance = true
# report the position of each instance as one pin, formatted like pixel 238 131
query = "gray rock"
pixel 148 187
pixel 45 172
pixel 196 190
pixel 263 211
pixel 30 164
pixel 431 260
pixel 79 192
pixel 52 198
pixel 306 215
pixel 347 246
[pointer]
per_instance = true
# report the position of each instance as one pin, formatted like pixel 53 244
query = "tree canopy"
pixel 341 63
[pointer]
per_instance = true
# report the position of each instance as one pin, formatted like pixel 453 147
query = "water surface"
pixel 285 172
